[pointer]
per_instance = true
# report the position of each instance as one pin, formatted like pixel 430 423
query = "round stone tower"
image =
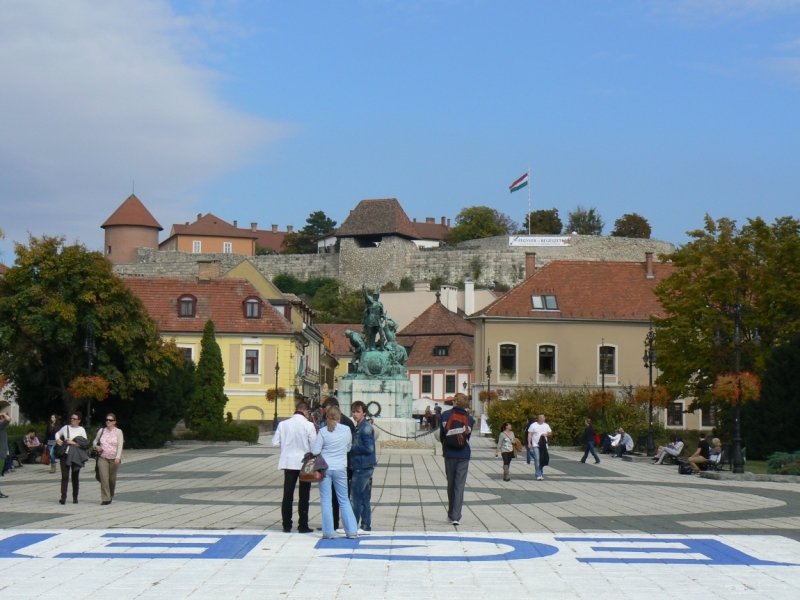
pixel 130 226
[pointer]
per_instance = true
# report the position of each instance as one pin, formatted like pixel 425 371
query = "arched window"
pixel 252 308
pixel 187 306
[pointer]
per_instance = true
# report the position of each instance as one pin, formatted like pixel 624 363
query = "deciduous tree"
pixel 543 221
pixel 632 226
pixel 585 222
pixel 476 222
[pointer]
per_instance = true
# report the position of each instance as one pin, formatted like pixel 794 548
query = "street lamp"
pixel 738 459
pixel 275 418
pixel 91 351
pixel 649 358
pixel 488 373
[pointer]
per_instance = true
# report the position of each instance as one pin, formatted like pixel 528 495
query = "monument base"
pixel 389 401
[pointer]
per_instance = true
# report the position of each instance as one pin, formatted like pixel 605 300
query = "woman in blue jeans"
pixel 333 443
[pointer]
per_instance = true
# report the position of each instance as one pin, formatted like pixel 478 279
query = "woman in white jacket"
pixel 108 443
pixel 66 437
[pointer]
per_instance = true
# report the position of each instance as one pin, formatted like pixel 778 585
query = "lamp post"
pixel 488 373
pixel 649 358
pixel 275 418
pixel 603 366
pixel 91 351
pixel 738 459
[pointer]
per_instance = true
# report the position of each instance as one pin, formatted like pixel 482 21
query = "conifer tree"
pixel 209 400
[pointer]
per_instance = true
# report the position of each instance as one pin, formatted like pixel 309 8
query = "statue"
pixel 376 353
pixel 373 316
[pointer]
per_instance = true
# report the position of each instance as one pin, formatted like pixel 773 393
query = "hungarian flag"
pixel 519 183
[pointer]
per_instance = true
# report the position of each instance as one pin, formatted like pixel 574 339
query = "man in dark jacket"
pixel 332 401
pixel 5 420
pixel 588 437
pixel 456 459
pixel 362 463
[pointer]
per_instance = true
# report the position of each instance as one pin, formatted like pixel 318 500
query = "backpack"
pixel 596 439
pixel 685 469
pixel 456 430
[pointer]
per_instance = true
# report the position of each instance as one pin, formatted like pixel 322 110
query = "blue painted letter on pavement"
pixel 10 545
pixel 224 546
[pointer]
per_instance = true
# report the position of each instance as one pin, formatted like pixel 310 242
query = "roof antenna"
pixel 133 187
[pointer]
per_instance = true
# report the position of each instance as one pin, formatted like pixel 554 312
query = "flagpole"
pixel 529 199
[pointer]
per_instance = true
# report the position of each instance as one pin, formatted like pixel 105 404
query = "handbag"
pixel 46 456
pixel 60 449
pixel 94 453
pixel 518 447
pixel 313 468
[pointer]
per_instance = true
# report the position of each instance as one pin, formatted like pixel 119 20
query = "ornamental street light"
pixel 649 358
pixel 275 418
pixel 738 459
pixel 91 351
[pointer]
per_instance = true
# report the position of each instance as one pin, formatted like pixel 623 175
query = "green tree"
pixel 298 243
pixel 477 222
pixel 318 224
pixel 262 250
pixel 46 301
pixel 632 226
pixel 336 305
pixel 209 399
pixel 304 242
pixel 720 267
pixel 773 424
pixel 543 221
pixel 585 222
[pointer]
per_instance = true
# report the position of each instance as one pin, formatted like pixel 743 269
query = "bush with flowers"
pixel 89 387
pixel 730 388
pixel 660 394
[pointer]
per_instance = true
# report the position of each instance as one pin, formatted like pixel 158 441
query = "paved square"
pixel 204 522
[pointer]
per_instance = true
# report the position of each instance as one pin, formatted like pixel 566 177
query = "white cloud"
pixel 96 93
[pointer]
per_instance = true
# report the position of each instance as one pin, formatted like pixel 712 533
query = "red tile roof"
pixel 431 231
pixel 460 351
pixel 212 225
pixel 341 345
pixel 132 212
pixel 270 240
pixel 3 268
pixel 218 299
pixel 617 291
pixel 437 320
pixel 378 217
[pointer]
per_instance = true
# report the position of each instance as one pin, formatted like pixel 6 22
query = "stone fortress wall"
pixel 483 261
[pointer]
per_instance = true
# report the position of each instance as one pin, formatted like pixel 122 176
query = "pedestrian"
pixel 74 443
pixel 528 449
pixel 333 443
pixel 538 433
pixel 295 436
pixel 362 461
pixel 455 428
pixel 50 437
pixel 5 420
pixel 108 442
pixel 505 446
pixel 589 438
pixel 344 420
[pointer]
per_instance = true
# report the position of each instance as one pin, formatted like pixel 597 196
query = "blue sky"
pixel 266 111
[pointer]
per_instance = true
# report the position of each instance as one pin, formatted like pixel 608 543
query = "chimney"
pixel 469 297
pixel 448 222
pixel 443 220
pixel 187 222
pixel 207 270
pixel 199 215
pixel 289 228
pixel 430 220
pixel 648 263
pixel 415 219
pixel 274 228
pixel 450 297
pixel 530 263
pixel 235 223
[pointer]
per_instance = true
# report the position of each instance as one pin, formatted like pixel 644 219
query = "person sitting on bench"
pixel 701 455
pixel 33 445
pixel 625 443
pixel 610 442
pixel 671 450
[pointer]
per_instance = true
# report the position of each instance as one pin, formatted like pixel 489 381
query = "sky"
pixel 265 111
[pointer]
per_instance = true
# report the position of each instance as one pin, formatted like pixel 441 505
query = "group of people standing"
pixel 69 446
pixel 348 448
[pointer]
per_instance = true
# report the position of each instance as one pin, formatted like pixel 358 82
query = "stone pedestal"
pixel 393 397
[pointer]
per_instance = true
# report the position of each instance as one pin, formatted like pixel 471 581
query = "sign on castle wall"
pixel 533 240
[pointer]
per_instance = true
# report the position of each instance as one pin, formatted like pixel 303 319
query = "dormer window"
pixel 441 350
pixel 187 306
pixel 544 302
pixel 252 308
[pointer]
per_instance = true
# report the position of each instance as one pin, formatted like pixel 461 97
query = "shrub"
pixel 406 284
pixel 784 463
pixel 223 432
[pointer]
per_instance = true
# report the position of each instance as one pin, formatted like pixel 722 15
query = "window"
pixel 109 249
pixel 251 362
pixel 186 306
pixel 227 247
pixel 544 302
pixel 508 360
pixel 449 384
pixel 675 414
pixel 187 354
pixel 547 360
pixel 196 247
pixel 440 350
pixel 709 416
pixel 426 384
pixel 607 356
pixel 252 308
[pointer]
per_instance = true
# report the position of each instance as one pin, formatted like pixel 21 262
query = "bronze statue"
pixel 373 319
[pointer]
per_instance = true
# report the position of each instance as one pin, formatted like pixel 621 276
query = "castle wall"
pixel 385 263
